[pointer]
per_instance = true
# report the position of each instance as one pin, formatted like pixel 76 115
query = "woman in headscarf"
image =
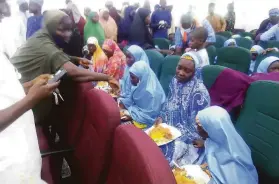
pixel 269 65
pixel 99 58
pixel 108 25
pixel 256 50
pixel 133 55
pixel 139 31
pixel 74 47
pixel 147 95
pixel 78 19
pixel 117 59
pixel 230 43
pixel 42 54
pixel 227 155
pixel 186 98
pixel 125 24
pixel 93 28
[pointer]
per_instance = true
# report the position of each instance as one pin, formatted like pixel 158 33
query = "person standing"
pixel 20 159
pixel 217 22
pixel 113 12
pixel 78 19
pixel 108 24
pixel 34 23
pixel 230 18
pixel 161 21
pixel 93 28
pixel 270 22
pixel 23 16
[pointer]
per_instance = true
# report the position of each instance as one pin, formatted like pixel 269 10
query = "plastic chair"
pixel 155 60
pixel 168 71
pixel 137 159
pixel 220 40
pixel 162 43
pixel 272 44
pixel 226 34
pixel 258 124
pixel 243 34
pixel 235 58
pixel 210 74
pixel 244 42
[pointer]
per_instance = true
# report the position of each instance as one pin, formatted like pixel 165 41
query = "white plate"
pixel 197 174
pixel 174 131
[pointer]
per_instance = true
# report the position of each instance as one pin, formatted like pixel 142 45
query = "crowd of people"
pixel 108 45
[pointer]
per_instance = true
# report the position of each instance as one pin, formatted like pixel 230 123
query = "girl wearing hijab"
pixel 256 50
pixel 93 28
pixel 133 55
pixel 147 95
pixel 139 32
pixel 108 25
pixel 227 155
pixel 269 65
pixel 42 54
pixel 125 24
pixel 230 43
pixel 117 60
pixel 186 98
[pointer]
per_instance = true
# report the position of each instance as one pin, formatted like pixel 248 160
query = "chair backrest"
pixel 262 57
pixel 243 34
pixel 210 74
pixel 258 124
pixel 162 43
pixel 168 71
pixel 235 58
pixel 226 34
pixel 244 42
pixel 137 159
pixel 271 44
pixel 156 60
pixel 220 40
pixel 212 53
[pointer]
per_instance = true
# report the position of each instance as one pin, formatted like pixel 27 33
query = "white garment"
pixel 203 57
pixel 20 159
pixel 22 17
pixel 76 13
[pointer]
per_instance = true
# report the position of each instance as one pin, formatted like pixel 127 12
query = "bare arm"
pixel 82 75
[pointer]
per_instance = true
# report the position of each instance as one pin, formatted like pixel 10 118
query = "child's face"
pixel 195 43
pixel 171 37
pixel 254 56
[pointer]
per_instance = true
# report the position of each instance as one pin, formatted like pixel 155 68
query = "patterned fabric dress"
pixel 184 101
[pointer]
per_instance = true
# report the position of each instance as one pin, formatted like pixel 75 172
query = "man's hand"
pixel 85 62
pixel 41 90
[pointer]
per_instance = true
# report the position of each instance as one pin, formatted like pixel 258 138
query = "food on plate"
pixel 160 133
pixel 181 176
pixel 102 85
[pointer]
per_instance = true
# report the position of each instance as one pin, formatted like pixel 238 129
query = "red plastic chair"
pixel 137 159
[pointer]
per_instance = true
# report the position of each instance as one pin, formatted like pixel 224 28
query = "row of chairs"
pixel 258 123
pixel 103 150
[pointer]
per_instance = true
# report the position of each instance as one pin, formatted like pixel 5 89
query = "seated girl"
pixel 133 54
pixel 269 65
pixel 117 60
pixel 227 155
pixel 147 95
pixel 256 50
pixel 230 43
pixel 186 98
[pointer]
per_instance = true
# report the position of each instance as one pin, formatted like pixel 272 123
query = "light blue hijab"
pixel 228 156
pixel 264 65
pixel 125 82
pixel 147 97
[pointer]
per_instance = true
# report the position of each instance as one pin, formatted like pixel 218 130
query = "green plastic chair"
pixel 212 53
pixel 262 57
pixel 235 58
pixel 243 34
pixel 220 40
pixel 168 71
pixel 244 42
pixel 162 43
pixel 272 44
pixel 226 34
pixel 155 60
pixel 258 124
pixel 210 74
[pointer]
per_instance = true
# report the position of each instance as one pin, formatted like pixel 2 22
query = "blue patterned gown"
pixel 184 101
